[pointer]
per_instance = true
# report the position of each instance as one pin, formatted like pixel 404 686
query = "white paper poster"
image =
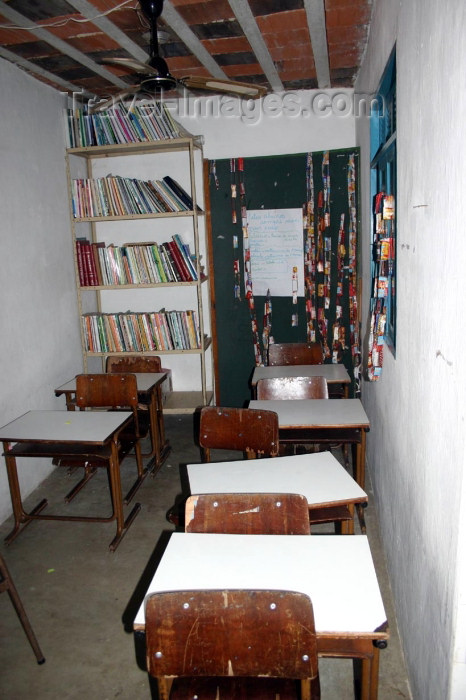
pixel 276 245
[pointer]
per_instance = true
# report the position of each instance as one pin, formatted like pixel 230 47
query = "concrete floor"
pixel 81 599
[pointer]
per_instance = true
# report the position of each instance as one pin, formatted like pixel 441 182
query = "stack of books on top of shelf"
pixel 134 263
pixel 124 196
pixel 119 124
pixel 141 332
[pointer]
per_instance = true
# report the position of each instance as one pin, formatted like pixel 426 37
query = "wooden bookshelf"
pixel 93 299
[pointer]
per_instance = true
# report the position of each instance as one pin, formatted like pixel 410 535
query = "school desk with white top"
pixel 319 477
pixel 322 420
pixel 149 384
pixel 65 433
pixel 350 619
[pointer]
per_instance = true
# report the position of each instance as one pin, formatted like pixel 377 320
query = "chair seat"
pixel 235 689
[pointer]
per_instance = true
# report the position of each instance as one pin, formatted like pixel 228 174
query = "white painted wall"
pixel 39 341
pixel 293 122
pixel 416 444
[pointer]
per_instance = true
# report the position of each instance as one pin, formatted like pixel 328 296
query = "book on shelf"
pixel 96 247
pixel 87 269
pixel 122 196
pixel 179 262
pixel 140 332
pixel 83 278
pixel 160 201
pixel 170 263
pixel 180 192
pixel 158 262
pixel 176 202
pixel 186 255
pixel 189 322
pixel 177 341
pixel 119 124
pixel 134 263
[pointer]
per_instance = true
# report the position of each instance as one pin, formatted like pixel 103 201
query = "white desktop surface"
pixel 144 380
pixel 64 426
pixel 337 573
pixel 319 477
pixel 319 413
pixel 334 374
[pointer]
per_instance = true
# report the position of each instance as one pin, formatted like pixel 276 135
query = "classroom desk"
pixel 319 477
pixel 322 420
pixel 61 433
pixel 349 614
pixel 334 374
pixel 149 385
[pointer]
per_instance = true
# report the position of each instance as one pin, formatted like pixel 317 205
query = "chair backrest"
pixel 292 388
pixel 133 363
pixel 231 633
pixel 248 430
pixel 248 513
pixel 295 354
pixel 106 391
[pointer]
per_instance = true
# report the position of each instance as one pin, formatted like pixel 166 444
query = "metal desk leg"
pixel 20 515
pixel 160 447
pixel 360 475
pixel 117 500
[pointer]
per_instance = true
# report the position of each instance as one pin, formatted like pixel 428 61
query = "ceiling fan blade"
pixel 231 87
pixel 133 64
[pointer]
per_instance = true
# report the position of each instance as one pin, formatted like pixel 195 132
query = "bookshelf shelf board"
pixel 130 217
pixel 179 144
pixel 185 401
pixel 113 287
pixel 193 351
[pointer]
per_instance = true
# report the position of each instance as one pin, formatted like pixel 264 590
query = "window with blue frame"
pixel 383 190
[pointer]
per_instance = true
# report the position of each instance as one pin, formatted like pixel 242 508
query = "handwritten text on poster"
pixel 276 244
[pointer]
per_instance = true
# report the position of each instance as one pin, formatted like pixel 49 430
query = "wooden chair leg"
pixel 7 585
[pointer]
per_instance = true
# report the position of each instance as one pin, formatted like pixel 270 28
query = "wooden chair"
pixel 292 388
pixel 295 354
pixel 136 364
pixel 251 431
pixel 248 430
pixel 133 364
pixel 232 645
pixel 113 392
pixel 6 584
pixel 248 513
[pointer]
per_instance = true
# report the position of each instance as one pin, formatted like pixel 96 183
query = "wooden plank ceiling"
pixel 279 44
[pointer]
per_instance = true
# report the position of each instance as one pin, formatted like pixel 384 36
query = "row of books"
pixel 141 332
pixel 134 263
pixel 124 196
pixel 118 124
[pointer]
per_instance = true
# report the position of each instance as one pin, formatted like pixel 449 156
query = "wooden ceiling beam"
pixel 315 12
pixel 187 36
pixel 21 21
pixel 252 32
pixel 90 12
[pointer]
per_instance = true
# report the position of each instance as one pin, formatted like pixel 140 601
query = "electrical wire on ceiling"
pixel 63 22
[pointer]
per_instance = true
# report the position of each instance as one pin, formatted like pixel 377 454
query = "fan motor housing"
pixel 151 8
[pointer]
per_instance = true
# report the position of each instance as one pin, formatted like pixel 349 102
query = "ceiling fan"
pixel 156 77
